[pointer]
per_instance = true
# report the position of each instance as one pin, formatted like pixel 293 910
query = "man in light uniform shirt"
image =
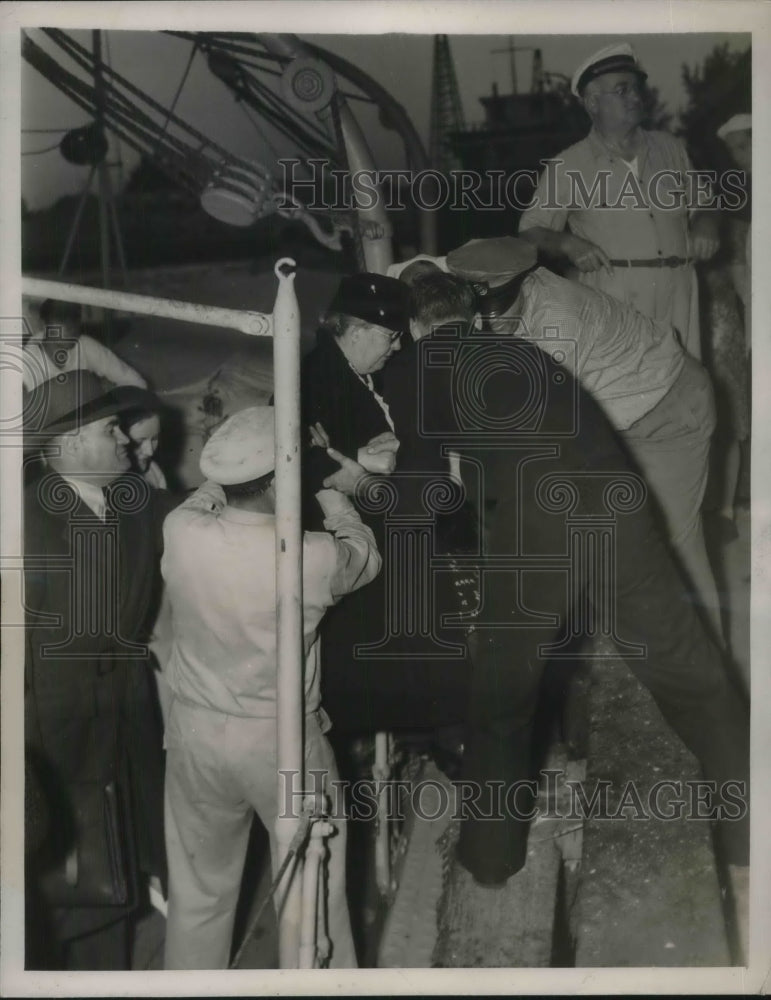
pixel 219 567
pixel 617 203
pixel 657 396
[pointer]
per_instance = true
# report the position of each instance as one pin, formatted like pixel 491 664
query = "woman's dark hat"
pixel 376 299
pixel 73 399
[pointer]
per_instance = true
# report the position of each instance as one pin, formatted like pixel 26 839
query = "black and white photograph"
pixel 384 495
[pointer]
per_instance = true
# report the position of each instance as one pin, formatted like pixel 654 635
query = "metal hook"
pixel 284 262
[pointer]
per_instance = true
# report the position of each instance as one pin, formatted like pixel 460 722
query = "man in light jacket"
pixel 219 569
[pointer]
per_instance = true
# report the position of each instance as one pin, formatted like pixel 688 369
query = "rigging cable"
pixel 37 152
pixel 182 82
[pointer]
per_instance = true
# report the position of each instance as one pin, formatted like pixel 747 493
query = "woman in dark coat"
pixel 415 677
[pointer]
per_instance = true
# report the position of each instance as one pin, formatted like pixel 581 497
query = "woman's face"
pixel 144 435
pixel 368 346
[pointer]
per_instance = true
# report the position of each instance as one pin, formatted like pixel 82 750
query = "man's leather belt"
pixel 654 262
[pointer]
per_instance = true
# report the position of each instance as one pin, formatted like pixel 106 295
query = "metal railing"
pixel 297 892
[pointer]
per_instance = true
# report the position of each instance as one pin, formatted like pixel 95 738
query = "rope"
pixel 85 60
pixel 134 126
pixel 118 147
pixel 37 152
pixel 255 124
pixel 301 835
pixel 312 137
pixel 179 91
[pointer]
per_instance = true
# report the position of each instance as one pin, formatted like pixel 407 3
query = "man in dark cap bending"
pixel 554 469
pixel 653 393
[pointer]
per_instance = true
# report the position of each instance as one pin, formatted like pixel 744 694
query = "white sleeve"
pixel 358 560
pixel 543 210
pixel 102 361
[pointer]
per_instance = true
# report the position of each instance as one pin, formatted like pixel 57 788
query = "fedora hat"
pixel 72 399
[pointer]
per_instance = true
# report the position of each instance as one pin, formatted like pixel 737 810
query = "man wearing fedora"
pixel 618 206
pixel 219 568
pixel 92 547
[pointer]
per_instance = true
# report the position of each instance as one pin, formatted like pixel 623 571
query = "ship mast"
pixel 512 50
pixel 446 107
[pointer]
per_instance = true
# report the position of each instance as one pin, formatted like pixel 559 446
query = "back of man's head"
pixel 438 297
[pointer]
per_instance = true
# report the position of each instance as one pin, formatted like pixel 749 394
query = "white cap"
pixel 395 270
pixel 739 123
pixel 242 448
pixel 619 58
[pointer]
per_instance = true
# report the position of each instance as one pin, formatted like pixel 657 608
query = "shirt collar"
pixel 599 148
pixel 240 516
pixel 90 494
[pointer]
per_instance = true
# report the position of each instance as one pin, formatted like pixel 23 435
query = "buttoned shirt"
pixel 630 215
pixel 626 360
pixel 219 565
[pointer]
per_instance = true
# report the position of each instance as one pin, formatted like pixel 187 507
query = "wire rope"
pixel 182 82
pixel 38 152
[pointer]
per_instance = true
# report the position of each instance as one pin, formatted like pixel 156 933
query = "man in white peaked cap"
pixel 618 205
pixel 219 566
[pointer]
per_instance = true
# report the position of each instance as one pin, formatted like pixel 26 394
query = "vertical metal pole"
pixel 289 714
pixel 76 222
pixel 116 230
pixel 382 773
pixel 104 187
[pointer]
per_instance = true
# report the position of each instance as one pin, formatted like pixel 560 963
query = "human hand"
pixel 347 476
pixel 319 437
pixel 584 255
pixel 379 454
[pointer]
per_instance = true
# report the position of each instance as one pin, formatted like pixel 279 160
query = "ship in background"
pixel 519 132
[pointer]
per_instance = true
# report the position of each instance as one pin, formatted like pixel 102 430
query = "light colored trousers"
pixel 218 769
pixel 671 445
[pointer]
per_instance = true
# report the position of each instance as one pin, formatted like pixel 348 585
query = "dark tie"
pixel 108 509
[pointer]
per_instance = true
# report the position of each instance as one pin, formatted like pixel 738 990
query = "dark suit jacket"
pixel 89 704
